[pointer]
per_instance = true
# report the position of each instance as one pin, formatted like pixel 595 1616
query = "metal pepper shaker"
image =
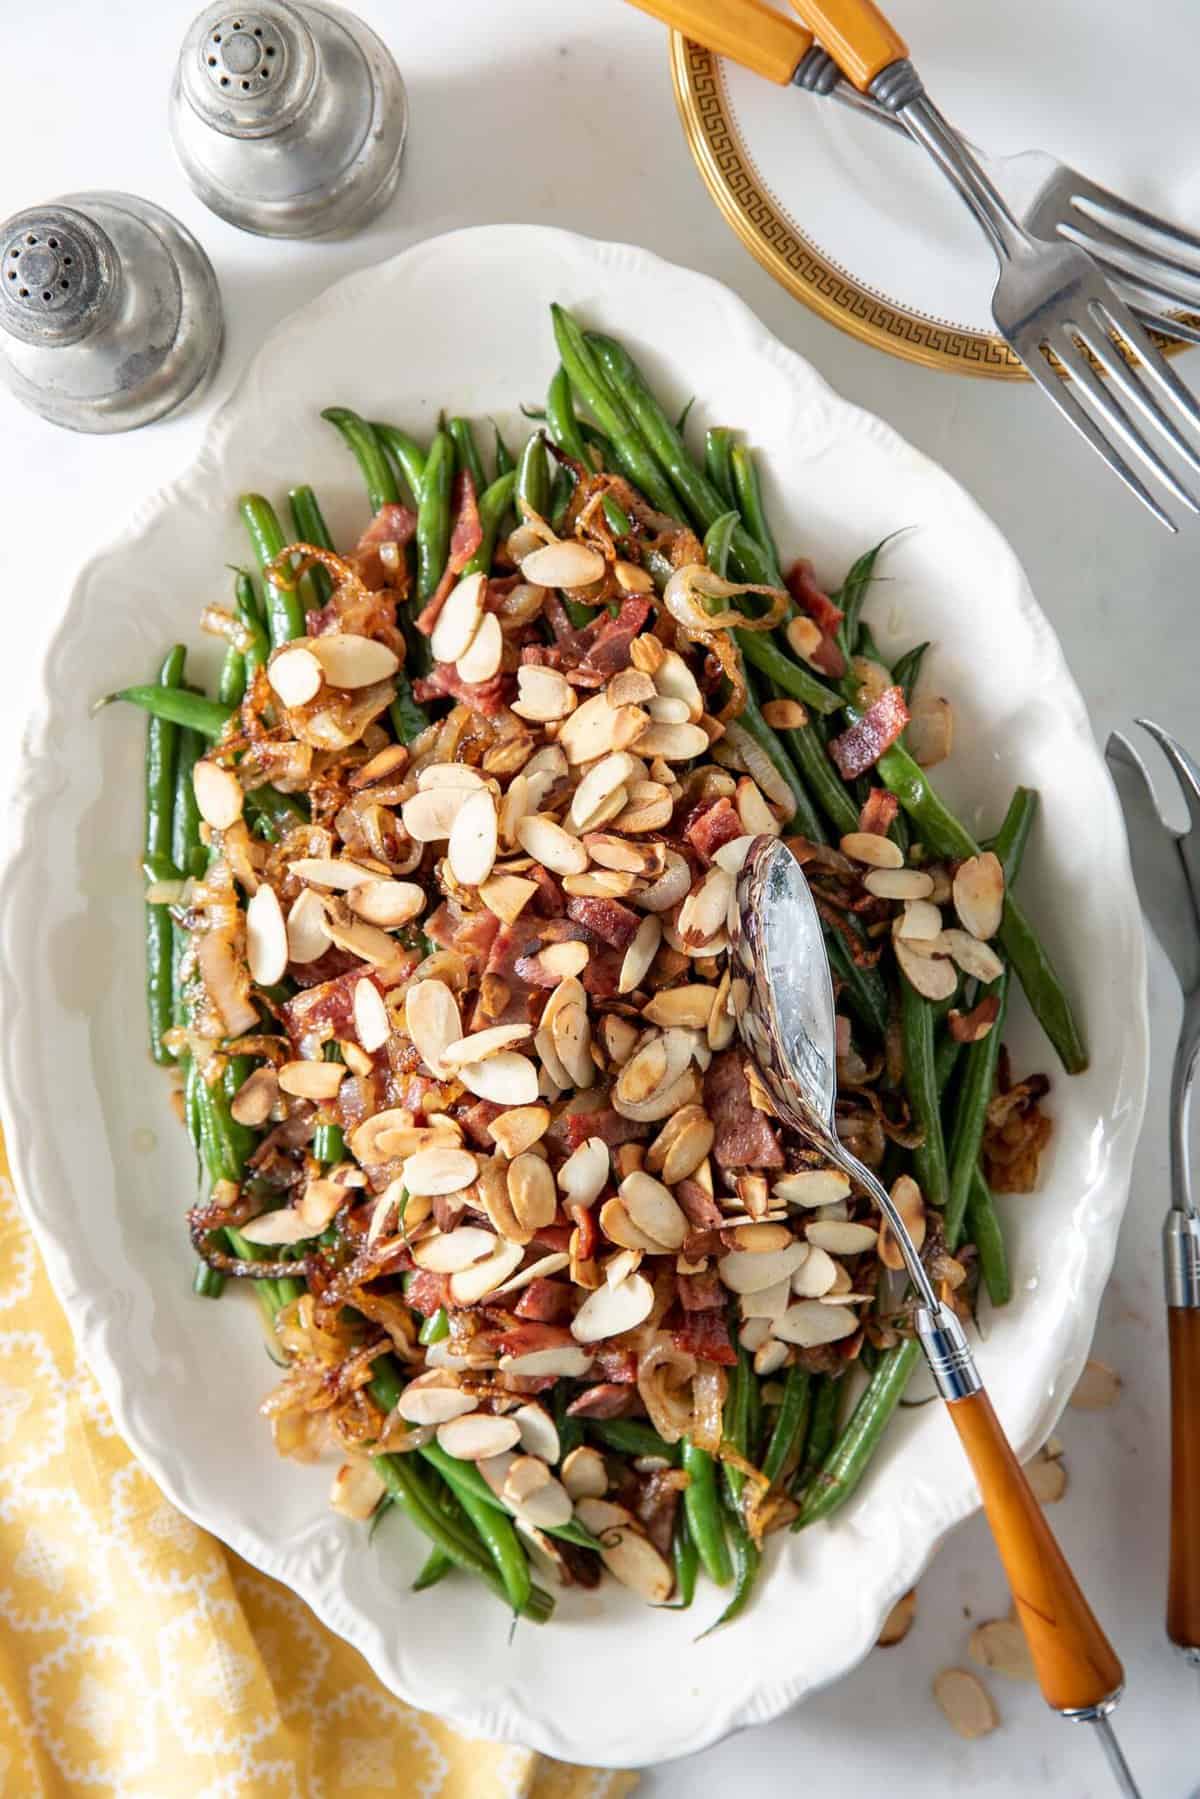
pixel 289 119
pixel 110 314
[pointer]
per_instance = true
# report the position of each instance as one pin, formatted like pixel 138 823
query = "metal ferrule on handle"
pixel 948 1353
pixel 1181 1259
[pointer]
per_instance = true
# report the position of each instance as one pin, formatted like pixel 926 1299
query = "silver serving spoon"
pixel 783 999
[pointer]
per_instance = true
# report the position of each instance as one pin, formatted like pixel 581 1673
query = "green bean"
pixel 533 478
pixel 618 518
pixel 504 457
pixel 436 1567
pixel 632 1437
pixel 974 1096
pixel 845 1464
pixel 561 490
pixel 822 1428
pixel 717 540
pixel 791 1425
pixel 250 617
pixel 207 1283
pixel 570 1430
pixel 499 1537
pixel 466 452
pixel 494 503
pixel 704 1514
pixel 718 463
pixel 686 1561
pixel 408 719
pixel 285 614
pixel 943 833
pixel 231 683
pixel 561 421
pixel 433 516
pixel 852 595
pixel 406 453
pixel 747 1559
pixel 983 1230
pixel 1013 835
pixel 162 760
pixel 591 384
pixel 755 725
pixel 308 522
pixel 435 1327
pixel 465 1478
pixel 684 414
pixel 736 1431
pixel 368 452
pixel 328 1144
pixel 924 1095
pixel 822 779
pixel 864 989
pixel 177 705
pixel 907 668
pixel 275 813
pixel 748 489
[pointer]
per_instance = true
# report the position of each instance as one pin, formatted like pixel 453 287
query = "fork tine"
pixel 1136 392
pixel 1109 409
pixel 1185 769
pixel 1154 312
pixel 1154 363
pixel 1103 200
pixel 1126 257
pixel 1058 392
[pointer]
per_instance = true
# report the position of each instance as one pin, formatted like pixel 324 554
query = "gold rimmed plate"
pixel 858 225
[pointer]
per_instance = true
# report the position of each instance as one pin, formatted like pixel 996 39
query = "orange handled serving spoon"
pixel 783 997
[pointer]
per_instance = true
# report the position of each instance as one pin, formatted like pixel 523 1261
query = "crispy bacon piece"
pixel 524 1339
pixel 588 657
pixel 700 1209
pixel 475 1121
pixel 543 1301
pixel 471 934
pixel 825 615
pixel 745 1137
pixel 705 1335
pixel 445 682
pixel 616 1363
pixel 327 1009
pixel 879 811
pixel 392 524
pixel 427 1293
pixel 465 539
pixel 860 748
pixel 606 1123
pixel 699 1292
pixel 606 1399
pixel 712 824
pixel 607 919
pixel 969 1027
pixel 656 1504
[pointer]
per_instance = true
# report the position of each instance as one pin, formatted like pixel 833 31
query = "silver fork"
pixel 1166 867
pixel 1143 255
pixel 1051 299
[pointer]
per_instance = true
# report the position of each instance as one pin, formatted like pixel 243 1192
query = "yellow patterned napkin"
pixel 140 1659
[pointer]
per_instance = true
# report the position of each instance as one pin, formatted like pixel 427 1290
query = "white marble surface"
pixel 563 114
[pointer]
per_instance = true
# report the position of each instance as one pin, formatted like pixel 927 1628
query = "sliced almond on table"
pixel 566 563
pixel 507 1079
pixel 929 734
pixel 219 795
pixel 477 1435
pixel 349 661
pixel 1047 1476
pixel 434 1398
pixel 597 729
pixel 451 1251
pixel 472 1284
pixel 898 1622
pixel 440 1170
pixel 653 1209
pixel 482 1044
pixel 388 904
pixel 965 1702
pixel 811 1187
pixel 810 1322
pixel 640 954
pixel 256 1098
pixel 841 1239
pixel 999 1644
pixel 584 1474
pixel 266 936
pixel 432 1020
pixel 546 841
pixel 484 653
pixel 626 1551
pixel 978 893
pixel 312 1080
pixel 295 674
pixel 1097 1388
pixel 372 1025
pixel 610 1310
pixel 744 1271
pixel 584 1174
pixel 356 1491
pixel 934 977
pixel 973 957
pixel 899 883
pixel 519 1128
pixel 459 619
pixel 871 847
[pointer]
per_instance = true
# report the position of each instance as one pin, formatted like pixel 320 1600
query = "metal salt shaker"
pixel 289 119
pixel 110 314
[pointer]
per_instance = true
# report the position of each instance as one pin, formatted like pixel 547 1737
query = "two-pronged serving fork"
pixel 1060 307
pixel 1166 867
